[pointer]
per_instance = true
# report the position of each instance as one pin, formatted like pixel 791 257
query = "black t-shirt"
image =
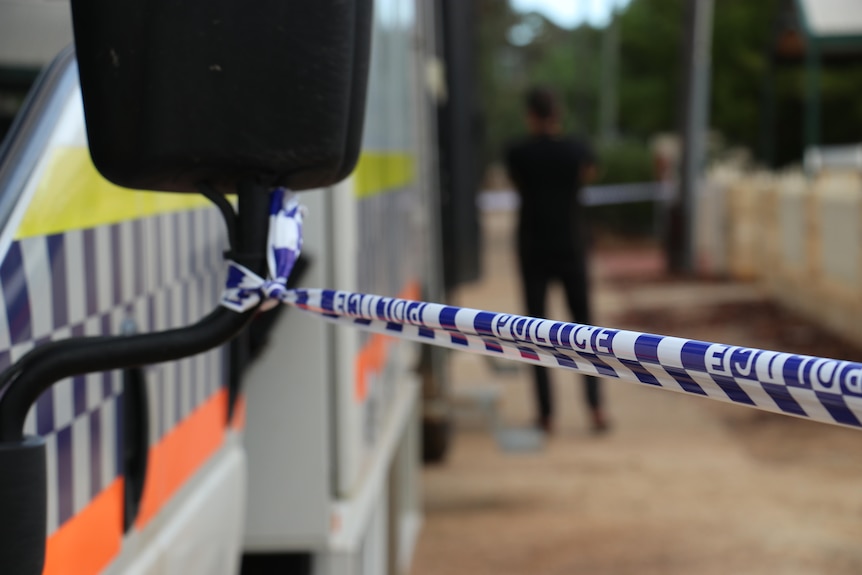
pixel 546 171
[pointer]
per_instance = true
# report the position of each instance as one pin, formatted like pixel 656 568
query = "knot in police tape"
pixel 817 388
pixel 245 289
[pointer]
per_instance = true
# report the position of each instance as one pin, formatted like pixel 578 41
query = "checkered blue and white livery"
pixel 822 389
pixel 92 282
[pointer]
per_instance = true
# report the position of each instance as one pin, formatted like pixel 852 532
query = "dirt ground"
pixel 680 485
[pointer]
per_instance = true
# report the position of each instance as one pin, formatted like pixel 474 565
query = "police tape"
pixel 817 388
pixel 822 389
pixel 245 289
pixel 605 195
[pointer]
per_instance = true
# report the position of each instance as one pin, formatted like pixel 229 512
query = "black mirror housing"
pixel 222 91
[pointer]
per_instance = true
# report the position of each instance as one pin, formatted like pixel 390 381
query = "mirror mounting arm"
pixel 227 212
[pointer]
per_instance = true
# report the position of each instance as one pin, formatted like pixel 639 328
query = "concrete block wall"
pixel 800 238
pixel 836 252
pixel 791 279
pixel 747 226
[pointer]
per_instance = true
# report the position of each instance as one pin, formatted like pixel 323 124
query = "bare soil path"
pixel 681 484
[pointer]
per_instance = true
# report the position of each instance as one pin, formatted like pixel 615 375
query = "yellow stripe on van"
pixel 73 195
pixel 379 172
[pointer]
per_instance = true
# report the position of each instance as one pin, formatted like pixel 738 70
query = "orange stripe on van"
pixel 369 362
pixel 180 453
pixel 238 420
pixel 86 543
pixel 411 291
pixel 371 359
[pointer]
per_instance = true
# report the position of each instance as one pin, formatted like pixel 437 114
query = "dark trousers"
pixel 537 272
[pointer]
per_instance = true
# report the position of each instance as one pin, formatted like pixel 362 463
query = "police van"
pixel 149 429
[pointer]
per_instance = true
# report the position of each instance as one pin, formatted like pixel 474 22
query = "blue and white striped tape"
pixel 821 389
pixel 245 289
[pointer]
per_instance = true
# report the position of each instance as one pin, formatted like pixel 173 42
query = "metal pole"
pixel 812 88
pixel 608 95
pixel 696 122
pixel 767 114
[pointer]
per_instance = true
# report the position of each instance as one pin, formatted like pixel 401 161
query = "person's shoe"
pixel 599 424
pixel 545 425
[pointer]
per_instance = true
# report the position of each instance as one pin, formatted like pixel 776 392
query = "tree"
pixel 520 50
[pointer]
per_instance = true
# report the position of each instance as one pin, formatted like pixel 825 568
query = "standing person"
pixel 548 170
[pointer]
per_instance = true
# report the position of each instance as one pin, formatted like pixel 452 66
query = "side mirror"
pixel 223 91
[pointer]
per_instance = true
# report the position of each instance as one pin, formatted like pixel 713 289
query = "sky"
pixel 571 13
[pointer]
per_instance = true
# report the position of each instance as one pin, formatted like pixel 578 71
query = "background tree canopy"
pixel 518 50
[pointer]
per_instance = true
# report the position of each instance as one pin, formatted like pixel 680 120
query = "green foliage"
pixel 650 36
pixel 620 162
pixel 564 60
pixel 742 37
pixel 624 161
pixel 649 77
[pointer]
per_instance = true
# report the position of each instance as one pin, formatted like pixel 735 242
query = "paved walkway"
pixel 681 484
